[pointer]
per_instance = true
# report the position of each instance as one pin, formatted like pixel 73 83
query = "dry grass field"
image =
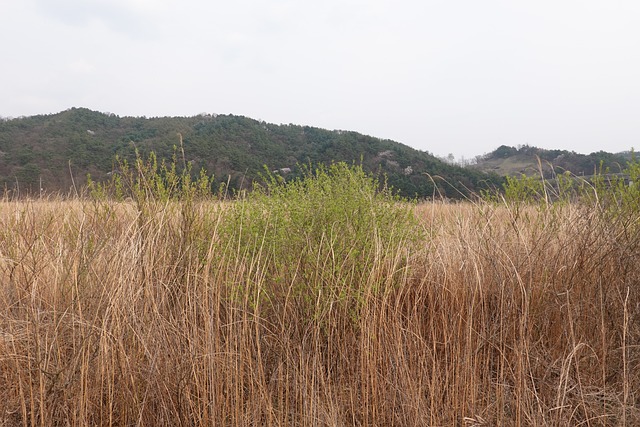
pixel 466 315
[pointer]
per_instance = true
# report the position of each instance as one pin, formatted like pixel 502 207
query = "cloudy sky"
pixel 445 76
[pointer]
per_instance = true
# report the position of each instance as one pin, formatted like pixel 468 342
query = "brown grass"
pixel 109 318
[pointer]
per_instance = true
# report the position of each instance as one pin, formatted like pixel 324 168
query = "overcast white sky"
pixel 448 76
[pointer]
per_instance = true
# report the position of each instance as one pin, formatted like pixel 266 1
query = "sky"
pixel 450 76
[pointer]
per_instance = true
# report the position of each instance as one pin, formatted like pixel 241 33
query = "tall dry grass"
pixel 111 317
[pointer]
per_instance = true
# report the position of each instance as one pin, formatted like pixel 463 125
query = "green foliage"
pixel 524 189
pixel 503 151
pixel 150 181
pixel 320 238
pixel 233 148
pixel 618 194
pixel 28 176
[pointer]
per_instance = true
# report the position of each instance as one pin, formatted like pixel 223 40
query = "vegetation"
pixel 56 152
pixel 319 301
pixel 532 161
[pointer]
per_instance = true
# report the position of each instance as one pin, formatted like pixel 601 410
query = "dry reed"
pixel 110 318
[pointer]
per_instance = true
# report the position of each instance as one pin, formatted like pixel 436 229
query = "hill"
pixel 507 160
pixel 51 152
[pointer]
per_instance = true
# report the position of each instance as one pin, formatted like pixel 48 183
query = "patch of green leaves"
pixel 321 239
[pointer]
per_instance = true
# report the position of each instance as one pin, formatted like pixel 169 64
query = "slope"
pixel 50 153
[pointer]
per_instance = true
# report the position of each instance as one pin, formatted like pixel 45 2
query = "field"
pixel 325 311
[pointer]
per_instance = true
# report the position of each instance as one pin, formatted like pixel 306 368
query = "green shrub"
pixel 150 181
pixel 322 239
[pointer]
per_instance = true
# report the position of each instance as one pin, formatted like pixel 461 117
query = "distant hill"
pixel 509 161
pixel 50 150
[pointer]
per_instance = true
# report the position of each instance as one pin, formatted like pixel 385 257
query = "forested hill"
pixel 528 160
pixel 50 150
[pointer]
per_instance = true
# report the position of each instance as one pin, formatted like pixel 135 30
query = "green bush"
pixel 148 181
pixel 322 239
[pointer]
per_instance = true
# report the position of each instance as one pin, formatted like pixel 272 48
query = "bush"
pixel 325 233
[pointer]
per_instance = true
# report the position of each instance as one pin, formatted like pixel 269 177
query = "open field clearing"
pixel 322 312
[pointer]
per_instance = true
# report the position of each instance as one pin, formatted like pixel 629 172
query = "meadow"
pixel 325 302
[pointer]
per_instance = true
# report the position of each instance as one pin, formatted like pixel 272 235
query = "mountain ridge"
pixel 52 152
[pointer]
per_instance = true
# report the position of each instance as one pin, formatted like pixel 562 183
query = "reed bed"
pixel 470 314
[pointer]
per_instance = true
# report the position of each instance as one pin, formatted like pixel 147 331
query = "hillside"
pixel 524 160
pixel 47 151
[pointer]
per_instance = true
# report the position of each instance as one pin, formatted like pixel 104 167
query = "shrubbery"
pixel 321 238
